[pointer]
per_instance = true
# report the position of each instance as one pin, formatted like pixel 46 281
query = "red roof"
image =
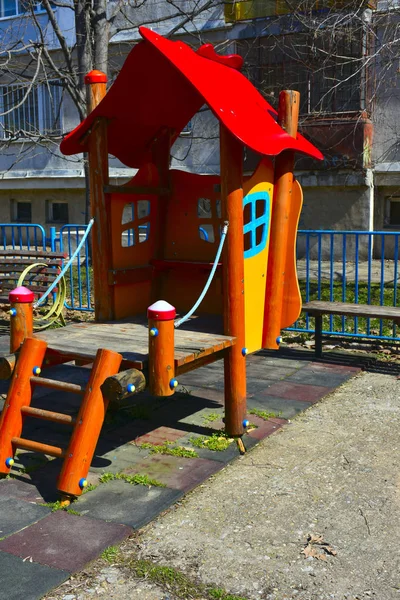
pixel 163 84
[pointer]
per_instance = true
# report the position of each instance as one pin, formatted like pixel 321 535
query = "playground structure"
pixel 149 244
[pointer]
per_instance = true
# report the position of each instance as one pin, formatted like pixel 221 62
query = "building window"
pixel 324 68
pixel 12 8
pixel 30 112
pixel 57 212
pixel 392 218
pixel 21 212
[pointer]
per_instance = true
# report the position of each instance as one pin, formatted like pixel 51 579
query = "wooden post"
pixel 19 395
pixel 318 336
pixel 89 422
pixel 21 316
pixel 288 114
pixel 98 178
pixel 162 380
pixel 233 281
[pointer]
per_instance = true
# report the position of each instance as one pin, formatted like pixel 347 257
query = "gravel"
pixel 333 472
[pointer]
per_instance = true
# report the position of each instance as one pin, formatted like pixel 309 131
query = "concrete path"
pixel 332 473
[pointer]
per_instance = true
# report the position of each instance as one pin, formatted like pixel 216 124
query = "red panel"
pixel 163 84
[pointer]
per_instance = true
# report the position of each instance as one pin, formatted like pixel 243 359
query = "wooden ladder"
pixel 86 425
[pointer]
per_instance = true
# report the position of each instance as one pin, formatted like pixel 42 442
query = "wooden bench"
pixel 318 308
pixel 14 262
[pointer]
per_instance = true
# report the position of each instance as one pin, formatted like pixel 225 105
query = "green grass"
pixel 352 295
pixel 170 449
pixel 177 583
pixel 136 479
pixel 111 554
pixel 263 414
pixel 217 442
pixel 211 417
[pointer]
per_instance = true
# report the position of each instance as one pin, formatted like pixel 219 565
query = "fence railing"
pixel 79 275
pixel 343 266
pixel 349 266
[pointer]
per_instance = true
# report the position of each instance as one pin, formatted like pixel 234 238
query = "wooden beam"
pixel 233 280
pixel 288 114
pixel 100 209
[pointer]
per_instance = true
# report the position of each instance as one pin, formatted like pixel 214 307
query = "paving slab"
pixel 298 391
pixel 25 580
pixel 18 514
pixel 325 378
pixel 65 541
pixel 23 490
pixel 117 459
pixel 284 407
pixel 120 502
pixel 176 472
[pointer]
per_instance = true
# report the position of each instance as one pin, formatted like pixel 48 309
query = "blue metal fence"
pixel 349 266
pixel 79 274
pixel 346 266
pixel 19 236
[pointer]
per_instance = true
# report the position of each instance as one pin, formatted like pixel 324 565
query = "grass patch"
pixel 89 488
pixel 170 449
pixel 111 554
pixel 136 479
pixel 217 442
pixel 211 417
pixel 176 583
pixel 263 414
pixel 349 292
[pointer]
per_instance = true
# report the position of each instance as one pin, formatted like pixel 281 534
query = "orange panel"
pixel 291 306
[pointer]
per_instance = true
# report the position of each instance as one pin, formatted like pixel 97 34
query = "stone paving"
pixel 39 548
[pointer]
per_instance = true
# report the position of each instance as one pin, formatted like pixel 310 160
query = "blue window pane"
pixel 9 8
pixel 256 222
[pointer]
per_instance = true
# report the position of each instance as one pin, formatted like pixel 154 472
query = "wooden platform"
pixel 130 338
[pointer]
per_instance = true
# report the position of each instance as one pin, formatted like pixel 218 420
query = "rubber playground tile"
pixel 204 377
pixel 176 472
pixel 23 490
pixel 298 391
pixel 25 580
pixel 117 459
pixel 160 435
pixel 215 396
pixel 334 368
pixel 283 407
pixel 17 514
pixel 121 502
pixel 268 428
pixel 64 541
pixel 325 378
pixel 260 372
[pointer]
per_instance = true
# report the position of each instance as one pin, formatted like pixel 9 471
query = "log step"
pixel 58 385
pixel 24 444
pixel 48 415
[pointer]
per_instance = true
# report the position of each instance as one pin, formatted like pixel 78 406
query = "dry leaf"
pixel 317 548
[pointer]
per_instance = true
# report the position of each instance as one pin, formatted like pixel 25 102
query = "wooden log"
pixel 100 207
pixel 162 380
pixel 122 385
pixel 7 365
pixel 88 425
pixel 233 281
pixel 288 114
pixel 21 322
